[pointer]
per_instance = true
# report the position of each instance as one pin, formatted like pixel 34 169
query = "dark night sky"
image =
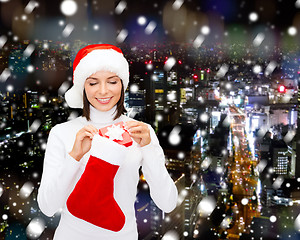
pixel 228 21
pixel 279 13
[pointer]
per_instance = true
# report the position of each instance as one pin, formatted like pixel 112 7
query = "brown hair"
pixel 120 105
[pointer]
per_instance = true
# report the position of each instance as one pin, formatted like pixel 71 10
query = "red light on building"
pixel 282 89
pixel 179 62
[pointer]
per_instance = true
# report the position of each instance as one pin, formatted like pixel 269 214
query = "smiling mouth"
pixel 104 100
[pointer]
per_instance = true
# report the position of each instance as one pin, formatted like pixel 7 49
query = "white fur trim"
pixel 74 97
pixel 108 150
pixel 104 59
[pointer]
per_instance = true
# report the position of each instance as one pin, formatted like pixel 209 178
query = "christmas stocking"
pixel 93 196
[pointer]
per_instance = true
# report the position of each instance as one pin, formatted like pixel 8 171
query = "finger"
pixel 142 139
pixel 141 135
pixel 137 139
pixel 90 135
pixel 85 134
pixel 87 129
pixel 136 129
pixel 131 124
pixel 139 128
pixel 91 129
pixel 136 135
pixel 95 130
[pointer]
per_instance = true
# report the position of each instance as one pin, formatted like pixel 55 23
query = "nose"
pixel 102 89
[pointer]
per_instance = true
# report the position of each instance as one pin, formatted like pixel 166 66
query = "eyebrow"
pixel 93 78
pixel 112 77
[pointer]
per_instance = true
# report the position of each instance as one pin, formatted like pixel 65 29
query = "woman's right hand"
pixel 83 141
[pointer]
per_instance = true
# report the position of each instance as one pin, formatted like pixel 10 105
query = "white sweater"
pixel 61 173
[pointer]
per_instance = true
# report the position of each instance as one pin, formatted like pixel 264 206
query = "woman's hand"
pixel 83 141
pixel 139 132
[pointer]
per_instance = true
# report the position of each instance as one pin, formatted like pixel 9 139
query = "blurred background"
pixel 218 80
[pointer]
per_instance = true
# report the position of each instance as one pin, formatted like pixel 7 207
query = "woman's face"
pixel 103 90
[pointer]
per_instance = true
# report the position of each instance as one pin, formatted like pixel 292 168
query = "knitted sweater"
pixel 61 173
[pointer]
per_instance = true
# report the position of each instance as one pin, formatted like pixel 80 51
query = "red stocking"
pixel 93 196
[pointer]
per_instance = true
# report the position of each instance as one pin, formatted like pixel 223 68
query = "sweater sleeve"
pixel 163 190
pixel 58 177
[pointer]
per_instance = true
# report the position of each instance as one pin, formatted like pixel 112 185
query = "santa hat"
pixel 88 61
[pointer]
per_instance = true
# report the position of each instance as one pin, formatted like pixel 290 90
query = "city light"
pixel 282 89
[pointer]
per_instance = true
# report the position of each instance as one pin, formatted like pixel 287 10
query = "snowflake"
pixel 115 132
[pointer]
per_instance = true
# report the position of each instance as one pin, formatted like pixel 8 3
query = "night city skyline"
pixel 217 80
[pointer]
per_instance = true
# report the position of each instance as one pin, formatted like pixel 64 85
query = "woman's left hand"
pixel 139 132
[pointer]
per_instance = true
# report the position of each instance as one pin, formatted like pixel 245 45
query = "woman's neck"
pixel 98 116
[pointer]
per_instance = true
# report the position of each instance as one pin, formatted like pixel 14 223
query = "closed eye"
pixel 113 82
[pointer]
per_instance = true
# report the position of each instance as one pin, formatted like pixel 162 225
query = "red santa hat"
pixel 89 60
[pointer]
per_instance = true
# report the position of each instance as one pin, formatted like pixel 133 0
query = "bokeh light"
pixel 142 20
pixel 205 30
pixel 292 31
pixel 35 228
pixel 68 7
pixel 273 219
pixel 206 206
pixel 253 17
pixel 171 235
pixel 245 201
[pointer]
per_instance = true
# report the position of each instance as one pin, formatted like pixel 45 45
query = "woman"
pixel 93 179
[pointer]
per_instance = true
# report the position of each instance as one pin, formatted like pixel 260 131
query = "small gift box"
pixel 118 133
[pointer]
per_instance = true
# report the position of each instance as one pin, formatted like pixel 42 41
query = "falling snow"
pixel 169 63
pixel 5 75
pixel 142 20
pixel 171 235
pixel 177 4
pixel 198 41
pixel 31 6
pixel 68 7
pixel 150 27
pixel 258 39
pixel 231 193
pixel 68 30
pixel 222 71
pixel 122 35
pixel 120 7
pixel 253 16
pixel 174 137
pixel 292 31
pixel 3 40
pixel 35 228
pixel 206 206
